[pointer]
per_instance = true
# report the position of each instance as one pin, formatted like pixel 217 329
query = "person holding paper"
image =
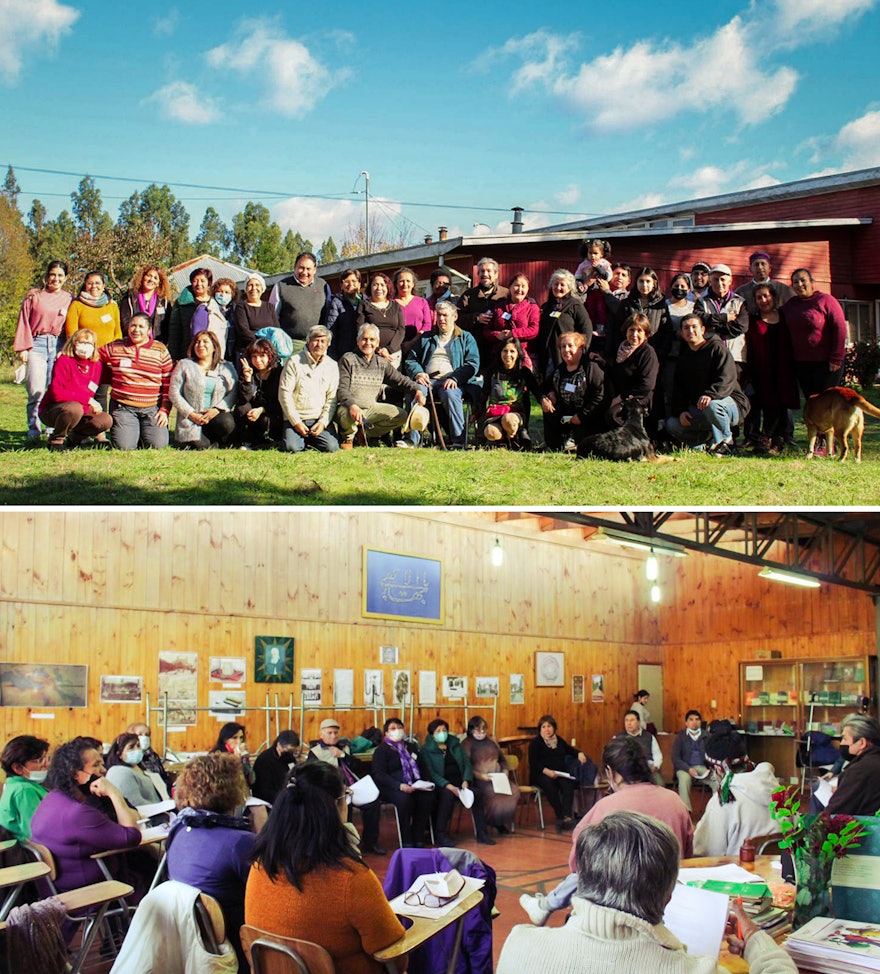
pixel 401 782
pixel 689 757
pixel 548 756
pixel 449 767
pixel 335 751
pixel 633 728
pixel 496 795
pixel 627 867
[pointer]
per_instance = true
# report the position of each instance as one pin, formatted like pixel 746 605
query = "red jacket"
pixel 72 381
pixel 523 323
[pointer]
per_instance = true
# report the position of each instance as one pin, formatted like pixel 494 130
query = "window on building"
pixel 861 321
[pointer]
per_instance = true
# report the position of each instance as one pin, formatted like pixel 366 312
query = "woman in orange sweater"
pixel 309 880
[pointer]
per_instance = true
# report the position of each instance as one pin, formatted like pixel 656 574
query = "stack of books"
pixel 757 903
pixel 836 946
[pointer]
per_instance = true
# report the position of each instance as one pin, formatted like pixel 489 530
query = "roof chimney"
pixel 428 238
pixel 517 222
pixel 444 233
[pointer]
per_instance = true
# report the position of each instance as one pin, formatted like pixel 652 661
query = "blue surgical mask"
pixel 144 741
pixel 133 757
pixel 222 299
pixel 38 777
pixel 440 736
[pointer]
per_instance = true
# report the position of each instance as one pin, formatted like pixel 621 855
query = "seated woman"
pixel 741 806
pixel 548 756
pixel 573 396
pixel 487 758
pixel 449 767
pixel 308 880
pixel 25 761
pixel 627 867
pixel 124 771
pixel 203 390
pixel 273 765
pixel 258 416
pixel 632 372
pixel 633 790
pixel 70 826
pixel 210 844
pixel 230 740
pixel 69 406
pixel 395 768
pixel 507 405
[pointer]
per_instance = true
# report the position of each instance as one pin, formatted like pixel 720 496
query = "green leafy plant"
pixel 861 364
pixel 824 837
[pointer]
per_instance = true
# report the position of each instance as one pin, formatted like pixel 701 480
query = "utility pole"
pixel 366 176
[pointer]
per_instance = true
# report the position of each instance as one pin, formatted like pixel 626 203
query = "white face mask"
pixel 222 299
pixel 38 777
pixel 133 757
pixel 144 741
pixel 395 734
pixel 694 733
pixel 84 350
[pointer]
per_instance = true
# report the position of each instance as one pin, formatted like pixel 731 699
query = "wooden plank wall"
pixel 723 612
pixel 112 588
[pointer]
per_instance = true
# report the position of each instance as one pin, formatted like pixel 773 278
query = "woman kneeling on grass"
pixel 69 405
pixel 203 390
pixel 506 413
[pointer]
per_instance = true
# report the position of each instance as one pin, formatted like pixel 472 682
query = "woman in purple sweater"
pixel 817 327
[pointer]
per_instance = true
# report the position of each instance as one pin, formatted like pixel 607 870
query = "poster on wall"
pixel 577 688
pixel 310 686
pixel 455 687
pixel 487 686
pixel 122 689
pixel 226 704
pixel 427 686
pixel 517 688
pixel 549 669
pixel 389 655
pixel 273 659
pixel 401 686
pixel 227 669
pixel 598 693
pixel 399 586
pixel 179 678
pixel 43 685
pixel 374 687
pixel 343 688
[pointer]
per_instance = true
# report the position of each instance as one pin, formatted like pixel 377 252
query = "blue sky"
pixel 472 109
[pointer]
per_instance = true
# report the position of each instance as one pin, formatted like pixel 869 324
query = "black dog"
pixel 627 442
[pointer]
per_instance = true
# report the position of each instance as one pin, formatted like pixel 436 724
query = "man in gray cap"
pixel 724 313
pixel 335 750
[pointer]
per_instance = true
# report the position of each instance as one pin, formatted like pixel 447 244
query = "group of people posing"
pixel 302 367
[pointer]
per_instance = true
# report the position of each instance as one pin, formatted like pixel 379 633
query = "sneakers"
pixel 347 443
pixel 536 908
pixel 569 446
pixel 403 444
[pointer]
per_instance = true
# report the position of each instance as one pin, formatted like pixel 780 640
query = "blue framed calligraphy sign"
pixel 405 587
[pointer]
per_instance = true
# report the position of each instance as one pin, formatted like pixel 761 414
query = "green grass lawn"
pixel 32 476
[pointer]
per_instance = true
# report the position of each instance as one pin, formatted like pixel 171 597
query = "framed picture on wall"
pixel 577 688
pixel 43 685
pixel 122 689
pixel 399 586
pixel 273 659
pixel 549 669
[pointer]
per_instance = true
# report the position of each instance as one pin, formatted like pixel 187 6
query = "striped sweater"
pixel 138 375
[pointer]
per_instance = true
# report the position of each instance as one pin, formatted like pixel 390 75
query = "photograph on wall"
pixel 273 659
pixel 517 688
pixel 405 587
pixel 598 692
pixel 549 669
pixel 401 686
pixel 226 704
pixel 577 688
pixel 310 686
pixel 122 689
pixel 343 688
pixel 389 655
pixel 374 687
pixel 179 678
pixel 427 686
pixel 43 685
pixel 454 687
pixel 227 669
pixel 487 686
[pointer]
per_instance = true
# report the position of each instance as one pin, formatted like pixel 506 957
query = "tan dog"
pixel 837 412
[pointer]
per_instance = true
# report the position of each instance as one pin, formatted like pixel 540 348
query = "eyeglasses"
pixel 346 796
pixel 423 897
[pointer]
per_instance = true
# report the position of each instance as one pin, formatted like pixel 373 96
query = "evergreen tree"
pixel 213 236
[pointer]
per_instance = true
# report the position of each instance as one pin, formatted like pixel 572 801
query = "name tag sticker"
pixel 93 386
pixel 106 319
pixel 507 316
pixel 125 363
pixel 569 387
pixel 213 373
pixel 555 314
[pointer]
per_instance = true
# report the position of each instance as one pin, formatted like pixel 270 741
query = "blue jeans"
pixel 452 402
pixel 717 419
pixel 326 442
pixel 40 363
pixel 132 426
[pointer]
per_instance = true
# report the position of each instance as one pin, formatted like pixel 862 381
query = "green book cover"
pixel 855 879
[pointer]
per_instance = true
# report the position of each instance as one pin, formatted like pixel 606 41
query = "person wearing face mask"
pixel 224 292
pixel 151 762
pixel 194 311
pixel 449 767
pixel 858 791
pixel 230 740
pixel 689 757
pixel 124 770
pixel 487 758
pixel 632 790
pixel 25 760
pixel 70 406
pixel 397 773
pixel 70 826
pixel 273 765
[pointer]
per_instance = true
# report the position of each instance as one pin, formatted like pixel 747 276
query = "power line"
pixel 276 194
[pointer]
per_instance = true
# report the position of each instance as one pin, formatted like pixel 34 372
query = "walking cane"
pixel 437 425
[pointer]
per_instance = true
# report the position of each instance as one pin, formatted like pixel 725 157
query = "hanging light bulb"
pixel 655 593
pixel 652 569
pixel 497 554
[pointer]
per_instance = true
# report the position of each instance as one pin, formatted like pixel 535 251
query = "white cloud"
pixel 167 24
pixel 816 15
pixel 568 196
pixel 859 142
pixel 704 181
pixel 319 219
pixel 28 29
pixel 294 77
pixel 182 102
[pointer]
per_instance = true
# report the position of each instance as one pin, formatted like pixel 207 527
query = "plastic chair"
pixel 397 822
pixel 529 791
pixel 270 953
